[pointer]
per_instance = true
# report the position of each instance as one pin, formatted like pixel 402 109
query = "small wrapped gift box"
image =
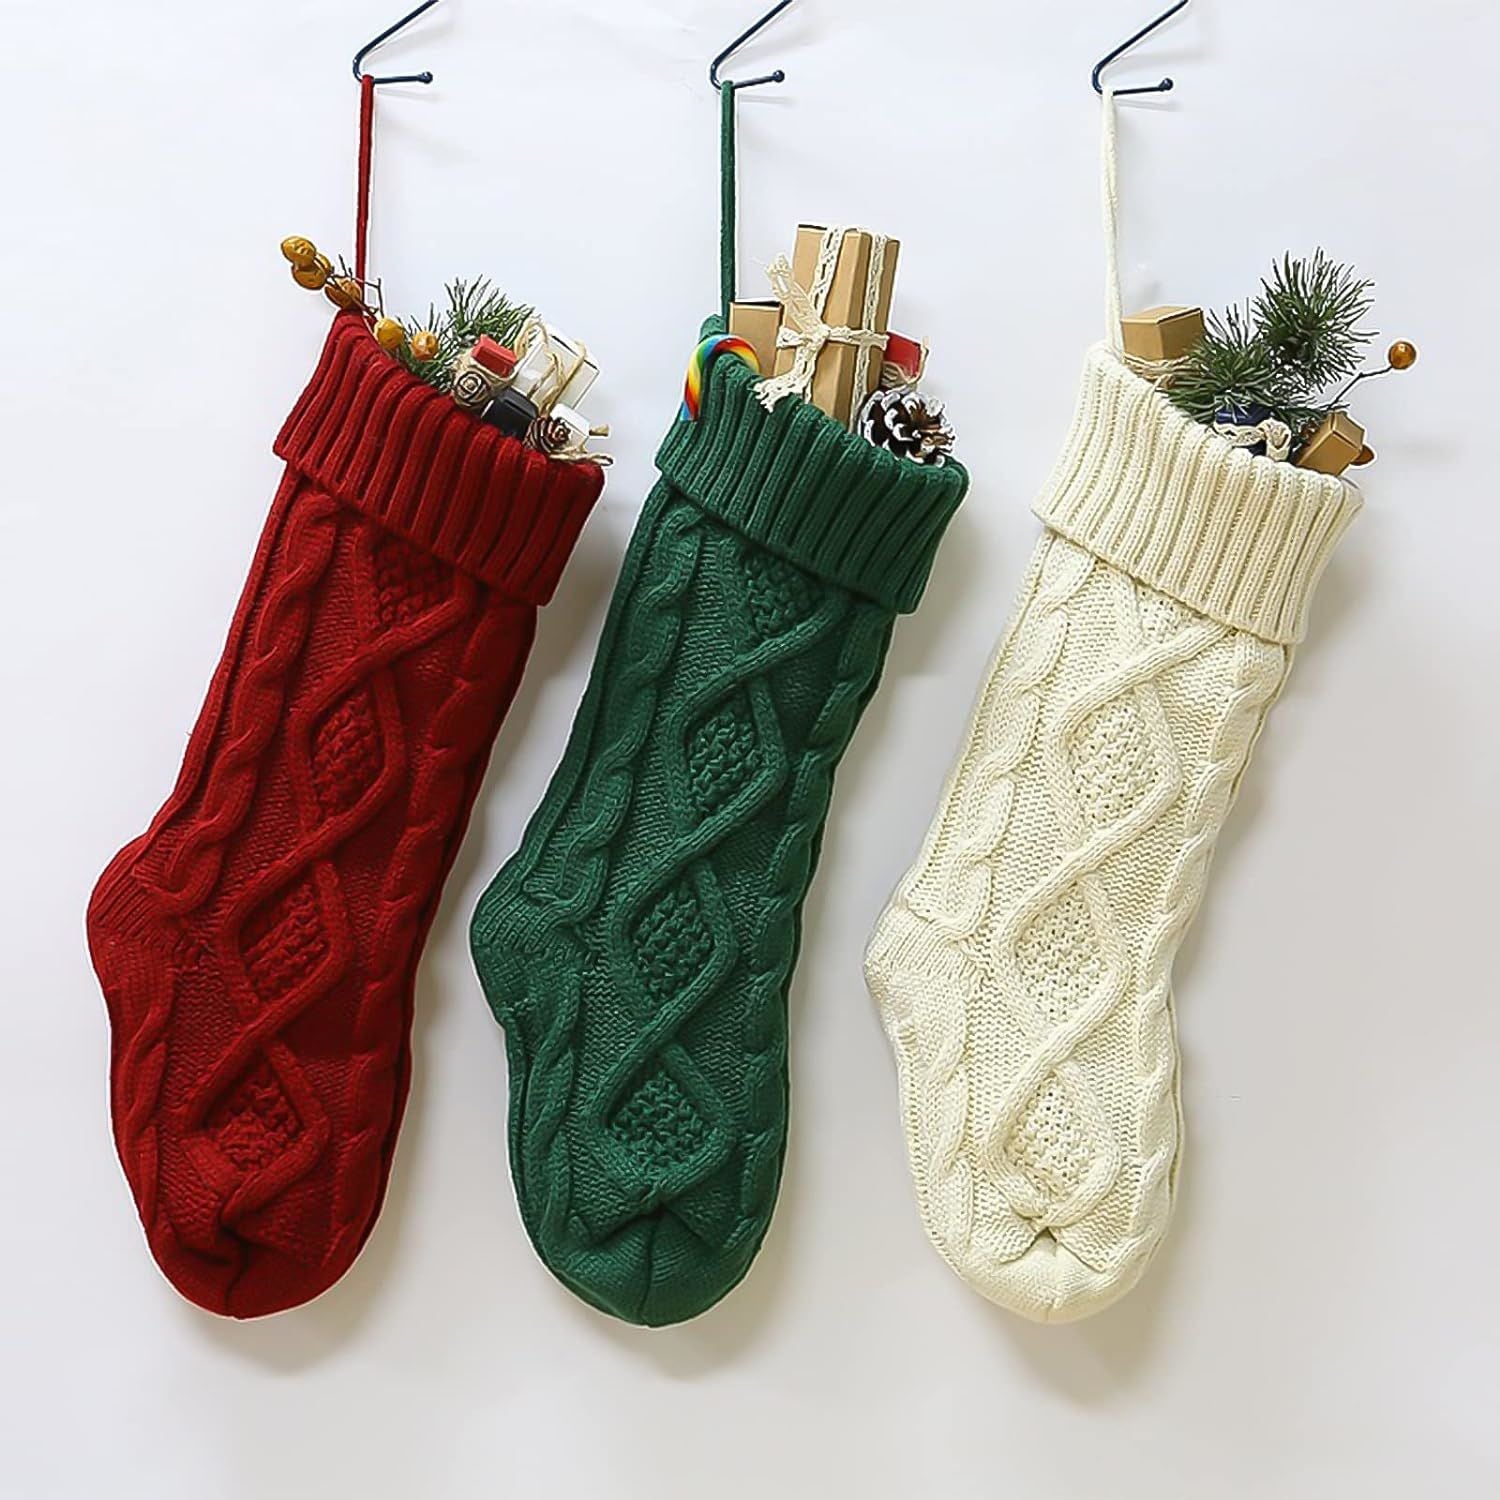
pixel 1162 333
pixel 757 323
pixel 858 296
pixel 494 357
pixel 906 356
pixel 512 413
pixel 553 369
pixel 1337 444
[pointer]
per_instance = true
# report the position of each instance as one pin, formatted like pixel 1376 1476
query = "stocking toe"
pixel 1048 1283
pixel 655 1271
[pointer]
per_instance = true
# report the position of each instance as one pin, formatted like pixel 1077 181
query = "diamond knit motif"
pixel 408 582
pixel 722 754
pixel 346 754
pixel 1114 766
pixel 1161 616
pixel 1059 959
pixel 255 1122
pixel 1050 1144
pixel 1062 968
pixel 695 1057
pixel 659 1125
pixel 284 941
pixel 672 942
pixel 778 594
pixel 269 1118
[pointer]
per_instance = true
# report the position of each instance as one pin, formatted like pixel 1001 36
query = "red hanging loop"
pixel 362 201
pixel 367 83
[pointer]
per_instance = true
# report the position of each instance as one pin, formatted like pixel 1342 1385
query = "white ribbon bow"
pixel 804 330
pixel 1272 431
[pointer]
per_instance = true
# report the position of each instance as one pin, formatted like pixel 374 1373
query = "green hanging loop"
pixel 727 198
pixel 728 202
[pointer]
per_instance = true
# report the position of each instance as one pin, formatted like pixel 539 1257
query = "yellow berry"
pixel 299 250
pixel 345 293
pixel 1402 355
pixel 389 334
pixel 314 276
pixel 424 344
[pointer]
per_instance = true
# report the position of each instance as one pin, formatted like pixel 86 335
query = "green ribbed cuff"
pixel 794 481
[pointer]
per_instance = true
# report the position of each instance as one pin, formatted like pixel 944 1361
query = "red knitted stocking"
pixel 257 945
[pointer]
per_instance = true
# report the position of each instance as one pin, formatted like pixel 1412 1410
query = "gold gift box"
pixel 834 375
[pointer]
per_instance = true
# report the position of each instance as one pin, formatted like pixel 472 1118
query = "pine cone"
pixel 548 435
pixel 908 425
pixel 471 389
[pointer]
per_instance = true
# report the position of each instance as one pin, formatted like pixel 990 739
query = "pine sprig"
pixel 1308 313
pixel 474 307
pixel 1228 368
pixel 1279 354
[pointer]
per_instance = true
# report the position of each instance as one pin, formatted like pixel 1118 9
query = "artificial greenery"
pixel 1280 353
pixel 474 308
pixel 1309 314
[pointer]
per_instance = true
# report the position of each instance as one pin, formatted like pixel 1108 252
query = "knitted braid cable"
pixel 280 632
pixel 584 866
pixel 791 874
pixel 639 947
pixel 452 768
pixel 653 633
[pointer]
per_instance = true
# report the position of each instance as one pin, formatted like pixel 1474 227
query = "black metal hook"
pixel 385 36
pixel 1166 85
pixel 777 77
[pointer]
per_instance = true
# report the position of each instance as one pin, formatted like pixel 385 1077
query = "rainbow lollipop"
pixel 703 356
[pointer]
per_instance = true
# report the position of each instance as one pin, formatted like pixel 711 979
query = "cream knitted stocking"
pixel 1023 968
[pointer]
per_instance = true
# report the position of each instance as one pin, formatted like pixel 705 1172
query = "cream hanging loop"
pixel 1110 159
pixel 1114 310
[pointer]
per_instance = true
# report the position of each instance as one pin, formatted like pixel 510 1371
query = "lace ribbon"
pixel 1272 431
pixel 803 328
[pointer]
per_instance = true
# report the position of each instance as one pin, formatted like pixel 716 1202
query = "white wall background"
pixel 1323 1321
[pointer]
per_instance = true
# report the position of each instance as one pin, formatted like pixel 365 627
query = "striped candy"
pixel 697 375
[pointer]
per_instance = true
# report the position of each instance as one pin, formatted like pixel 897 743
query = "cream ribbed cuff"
pixel 1242 540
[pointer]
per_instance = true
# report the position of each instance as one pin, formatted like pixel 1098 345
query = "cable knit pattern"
pixel 639 947
pixel 258 945
pixel 1023 967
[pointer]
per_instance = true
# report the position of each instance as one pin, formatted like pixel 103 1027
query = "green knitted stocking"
pixel 639 947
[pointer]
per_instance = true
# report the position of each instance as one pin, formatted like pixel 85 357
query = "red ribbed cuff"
pixel 376 438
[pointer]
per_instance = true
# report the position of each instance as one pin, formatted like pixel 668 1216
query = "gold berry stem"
pixel 1363 375
pixel 1400 356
